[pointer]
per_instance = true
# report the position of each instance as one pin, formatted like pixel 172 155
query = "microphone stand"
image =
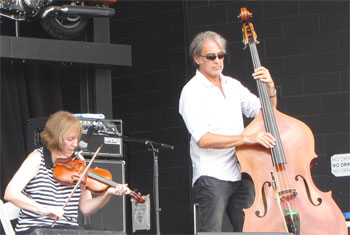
pixel 156 186
pixel 155 151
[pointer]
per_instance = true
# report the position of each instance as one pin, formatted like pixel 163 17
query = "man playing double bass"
pixel 212 105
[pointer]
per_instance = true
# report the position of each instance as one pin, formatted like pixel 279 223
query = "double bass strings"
pixel 282 179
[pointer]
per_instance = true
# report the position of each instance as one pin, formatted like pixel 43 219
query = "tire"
pixel 64 27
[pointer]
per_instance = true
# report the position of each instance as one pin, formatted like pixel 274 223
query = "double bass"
pixel 286 199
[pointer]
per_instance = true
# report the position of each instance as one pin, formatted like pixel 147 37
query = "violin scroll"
pixel 137 197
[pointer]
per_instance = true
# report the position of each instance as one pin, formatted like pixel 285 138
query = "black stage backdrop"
pixel 27 91
pixel 304 43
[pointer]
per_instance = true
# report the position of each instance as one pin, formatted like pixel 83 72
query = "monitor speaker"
pixel 113 216
pixel 226 226
pixel 237 233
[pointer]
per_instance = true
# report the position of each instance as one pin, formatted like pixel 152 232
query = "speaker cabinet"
pixel 34 127
pixel 50 231
pixel 113 216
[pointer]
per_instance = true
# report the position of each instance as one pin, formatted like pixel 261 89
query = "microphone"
pixel 167 146
pixel 164 146
pixel 84 142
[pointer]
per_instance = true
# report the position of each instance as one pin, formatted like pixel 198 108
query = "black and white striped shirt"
pixel 44 189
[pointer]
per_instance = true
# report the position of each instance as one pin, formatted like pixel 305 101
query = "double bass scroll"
pixel 286 199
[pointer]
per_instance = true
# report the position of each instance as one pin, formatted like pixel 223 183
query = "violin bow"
pixel 79 181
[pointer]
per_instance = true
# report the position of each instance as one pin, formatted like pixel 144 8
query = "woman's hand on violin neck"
pixel 263 138
pixel 52 211
pixel 120 189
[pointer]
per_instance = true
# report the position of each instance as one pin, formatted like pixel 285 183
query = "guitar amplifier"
pixel 106 132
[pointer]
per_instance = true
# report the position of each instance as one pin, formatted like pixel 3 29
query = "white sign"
pixel 340 164
pixel 112 140
pixel 141 214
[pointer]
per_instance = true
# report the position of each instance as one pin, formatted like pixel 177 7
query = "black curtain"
pixel 28 90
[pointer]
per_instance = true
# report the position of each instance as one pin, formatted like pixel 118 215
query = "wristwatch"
pixel 274 94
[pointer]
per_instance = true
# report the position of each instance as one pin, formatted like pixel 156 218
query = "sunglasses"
pixel 220 55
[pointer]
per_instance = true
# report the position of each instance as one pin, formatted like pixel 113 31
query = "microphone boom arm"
pixel 148 142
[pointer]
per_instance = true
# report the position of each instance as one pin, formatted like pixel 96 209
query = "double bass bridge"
pixel 289 193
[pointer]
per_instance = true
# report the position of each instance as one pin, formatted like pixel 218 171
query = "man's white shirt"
pixel 206 110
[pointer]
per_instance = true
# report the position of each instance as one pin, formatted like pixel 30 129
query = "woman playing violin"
pixel 36 191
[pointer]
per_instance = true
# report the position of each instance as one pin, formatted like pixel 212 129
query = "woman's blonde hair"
pixel 57 125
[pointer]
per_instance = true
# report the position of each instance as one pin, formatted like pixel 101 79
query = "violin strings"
pixel 277 153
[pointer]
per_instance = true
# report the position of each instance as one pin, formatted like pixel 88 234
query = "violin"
pixel 97 180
